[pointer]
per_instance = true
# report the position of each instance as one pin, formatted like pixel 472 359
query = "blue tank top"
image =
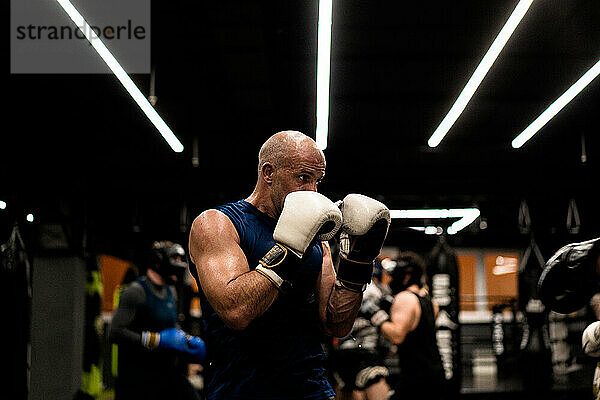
pixel 279 355
pixel 137 363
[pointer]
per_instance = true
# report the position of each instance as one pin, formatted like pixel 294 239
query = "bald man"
pixel 268 287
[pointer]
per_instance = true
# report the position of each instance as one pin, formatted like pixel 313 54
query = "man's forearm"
pixel 123 335
pixel 393 333
pixel 247 297
pixel 342 308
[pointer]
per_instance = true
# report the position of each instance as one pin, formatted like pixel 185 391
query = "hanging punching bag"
pixel 536 355
pixel 442 279
pixel 498 338
pixel 15 286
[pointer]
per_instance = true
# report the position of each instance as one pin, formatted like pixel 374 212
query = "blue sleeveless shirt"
pixel 279 355
pixel 137 363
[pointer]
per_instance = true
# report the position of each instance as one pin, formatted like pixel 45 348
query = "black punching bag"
pixel 536 355
pixel 442 279
pixel 15 286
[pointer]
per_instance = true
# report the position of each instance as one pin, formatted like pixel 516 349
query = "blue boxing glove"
pixel 171 338
pixel 196 349
pixel 175 339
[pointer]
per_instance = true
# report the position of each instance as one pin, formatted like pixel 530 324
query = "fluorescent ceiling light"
pixel 466 216
pixel 482 69
pixel 555 107
pixel 120 73
pixel 2 205
pixel 428 230
pixel 323 71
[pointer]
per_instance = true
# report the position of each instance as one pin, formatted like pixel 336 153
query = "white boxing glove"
pixel 590 340
pixel 365 227
pixel 306 215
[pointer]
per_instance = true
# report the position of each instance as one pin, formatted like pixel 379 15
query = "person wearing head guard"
pixel 168 260
pixel 151 347
pixel 409 323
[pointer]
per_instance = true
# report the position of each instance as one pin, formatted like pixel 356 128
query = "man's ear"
pixel 406 279
pixel 267 172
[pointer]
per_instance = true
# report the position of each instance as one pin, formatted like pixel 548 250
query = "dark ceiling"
pixel 77 150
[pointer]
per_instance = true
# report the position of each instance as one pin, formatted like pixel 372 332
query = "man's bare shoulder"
pixel 209 220
pixel 406 297
pixel 212 227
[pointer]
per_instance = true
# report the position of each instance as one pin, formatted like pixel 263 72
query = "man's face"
pixel 303 172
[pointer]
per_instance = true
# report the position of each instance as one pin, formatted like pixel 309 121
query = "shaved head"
pixel 283 148
pixel 288 161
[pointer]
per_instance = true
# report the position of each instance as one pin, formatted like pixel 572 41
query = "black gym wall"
pixel 57 327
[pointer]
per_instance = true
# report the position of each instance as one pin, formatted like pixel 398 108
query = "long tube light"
pixel 323 71
pixel 428 230
pixel 482 69
pixel 120 73
pixel 555 107
pixel 466 216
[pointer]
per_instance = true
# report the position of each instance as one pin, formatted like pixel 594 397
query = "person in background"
pixel 409 323
pixel 144 326
pixel 590 342
pixel 357 359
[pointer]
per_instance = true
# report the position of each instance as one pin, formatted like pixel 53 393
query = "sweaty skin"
pixel 288 161
pixel 405 315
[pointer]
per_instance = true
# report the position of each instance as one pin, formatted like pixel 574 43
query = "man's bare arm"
pixel 595 305
pixel 404 317
pixel 237 294
pixel 338 306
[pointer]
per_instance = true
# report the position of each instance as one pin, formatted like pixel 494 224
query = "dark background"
pixel 77 151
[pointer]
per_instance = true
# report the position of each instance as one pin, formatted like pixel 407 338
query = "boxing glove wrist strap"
pixel 150 340
pixel 270 275
pixel 346 259
pixel 354 276
pixel 353 287
pixel 275 267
